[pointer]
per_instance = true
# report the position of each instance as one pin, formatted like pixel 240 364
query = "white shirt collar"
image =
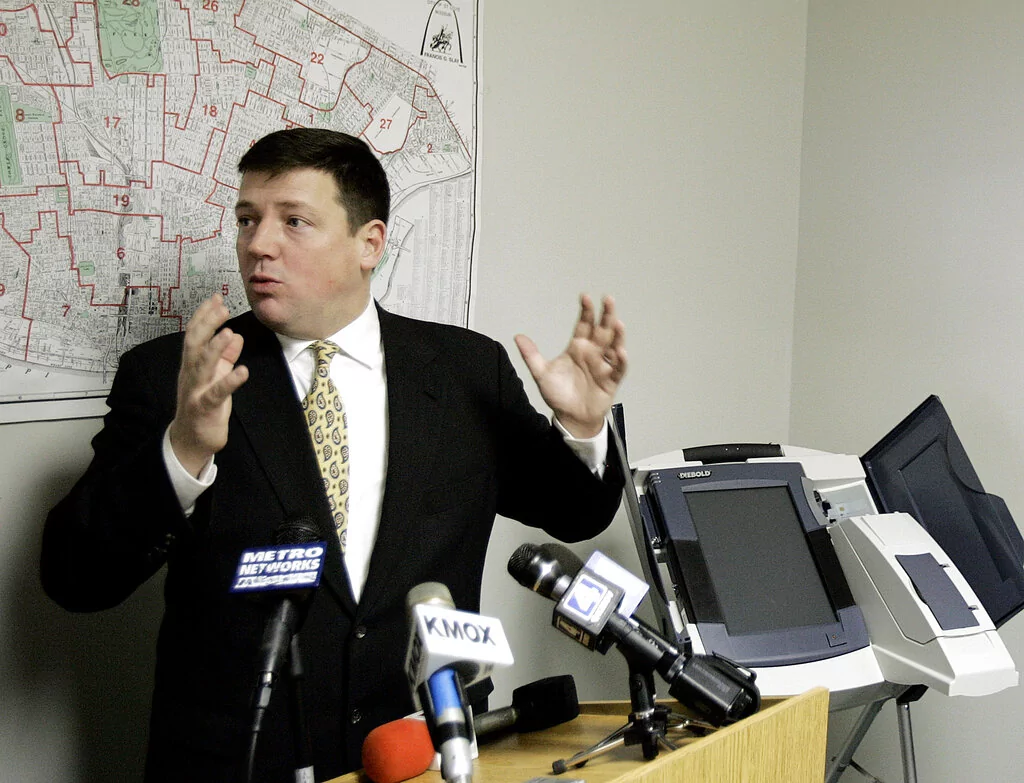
pixel 359 340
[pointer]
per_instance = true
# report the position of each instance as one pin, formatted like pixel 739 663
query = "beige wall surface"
pixel 910 282
pixel 649 150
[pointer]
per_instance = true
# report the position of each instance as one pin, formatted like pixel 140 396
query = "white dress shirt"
pixel 358 372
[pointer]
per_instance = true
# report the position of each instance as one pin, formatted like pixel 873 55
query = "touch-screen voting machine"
pixel 876 578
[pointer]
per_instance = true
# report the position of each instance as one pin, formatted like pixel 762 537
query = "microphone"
pixel 397 751
pixel 450 724
pixel 449 649
pixel 547 569
pixel 440 694
pixel 402 749
pixel 289 611
pixel 535 706
pixel 290 571
pixel 717 689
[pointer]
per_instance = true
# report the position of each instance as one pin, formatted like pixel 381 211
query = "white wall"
pixel 648 149
pixel 910 281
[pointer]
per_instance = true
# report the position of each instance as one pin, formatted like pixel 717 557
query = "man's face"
pixel 305 274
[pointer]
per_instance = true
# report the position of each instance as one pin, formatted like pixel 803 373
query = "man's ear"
pixel 373 236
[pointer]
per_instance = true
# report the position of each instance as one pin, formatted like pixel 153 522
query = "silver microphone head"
pixel 431 593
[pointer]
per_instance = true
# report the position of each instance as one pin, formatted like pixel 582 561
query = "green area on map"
pixel 10 166
pixel 130 36
pixel 25 113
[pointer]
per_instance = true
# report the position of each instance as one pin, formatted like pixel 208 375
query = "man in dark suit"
pixel 206 452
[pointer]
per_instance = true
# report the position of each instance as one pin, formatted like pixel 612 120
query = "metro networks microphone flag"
pixel 279 568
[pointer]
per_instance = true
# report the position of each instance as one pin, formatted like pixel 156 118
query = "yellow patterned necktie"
pixel 328 427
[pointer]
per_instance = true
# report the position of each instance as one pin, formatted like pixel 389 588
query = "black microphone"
pixel 287 614
pixel 719 690
pixel 288 611
pixel 535 706
pixel 547 569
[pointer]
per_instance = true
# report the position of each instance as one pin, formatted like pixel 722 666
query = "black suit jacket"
pixel 464 445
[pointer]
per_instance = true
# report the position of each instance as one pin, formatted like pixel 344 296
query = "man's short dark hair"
pixel 362 184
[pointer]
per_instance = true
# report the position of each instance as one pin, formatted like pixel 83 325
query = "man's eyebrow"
pixel 287 204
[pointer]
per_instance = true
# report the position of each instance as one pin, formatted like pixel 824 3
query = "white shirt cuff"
pixel 187 487
pixel 593 452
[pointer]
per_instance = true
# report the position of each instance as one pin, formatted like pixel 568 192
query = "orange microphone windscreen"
pixel 397 751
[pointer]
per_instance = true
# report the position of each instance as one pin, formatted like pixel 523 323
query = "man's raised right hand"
pixel 207 378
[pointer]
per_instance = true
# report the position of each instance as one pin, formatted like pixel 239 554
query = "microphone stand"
pixel 297 719
pixel 647 725
pixel 297 715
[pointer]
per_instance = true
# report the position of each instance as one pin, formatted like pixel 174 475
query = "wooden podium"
pixel 783 743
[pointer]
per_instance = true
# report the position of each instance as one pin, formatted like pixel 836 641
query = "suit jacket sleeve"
pixel 542 482
pixel 116 526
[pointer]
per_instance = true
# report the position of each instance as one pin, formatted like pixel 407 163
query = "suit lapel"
pixel 415 396
pixel 270 415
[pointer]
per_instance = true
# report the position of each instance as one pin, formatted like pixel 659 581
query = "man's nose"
pixel 264 239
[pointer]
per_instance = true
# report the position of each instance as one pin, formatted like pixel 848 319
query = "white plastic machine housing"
pixel 908 645
pixel 914 638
